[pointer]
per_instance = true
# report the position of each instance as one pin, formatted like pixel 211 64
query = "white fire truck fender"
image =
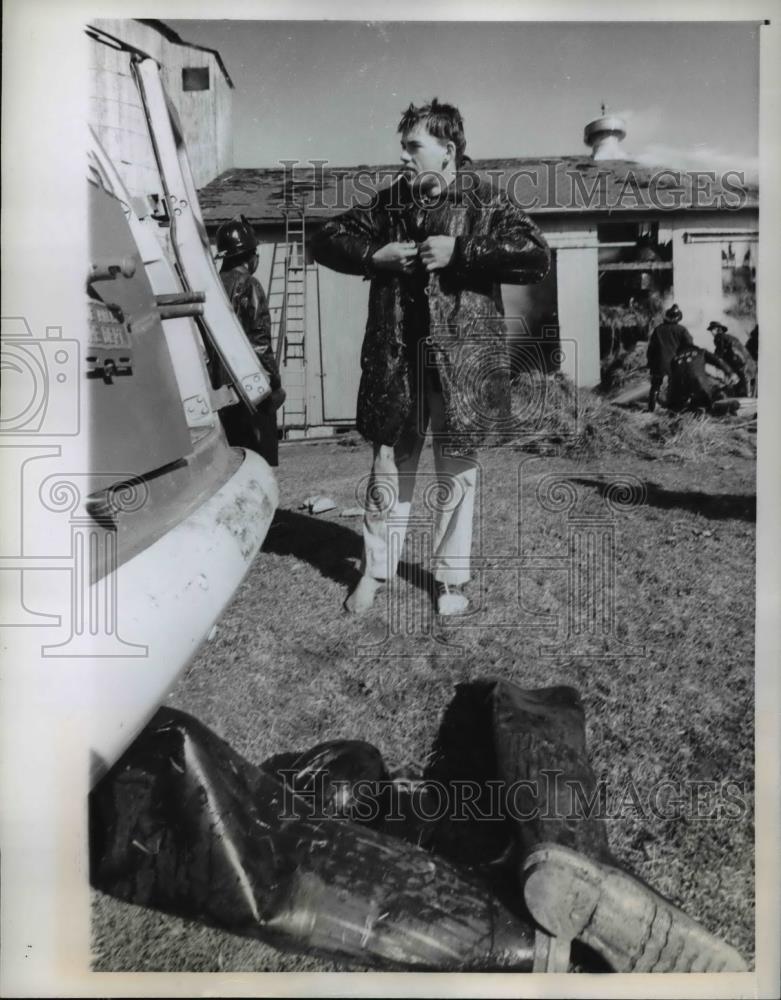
pixel 168 598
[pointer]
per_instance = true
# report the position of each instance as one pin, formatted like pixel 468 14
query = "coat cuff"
pixel 367 267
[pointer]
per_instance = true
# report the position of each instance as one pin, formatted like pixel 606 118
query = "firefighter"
pixel 752 344
pixel 729 349
pixel 665 342
pixel 690 387
pixel 237 246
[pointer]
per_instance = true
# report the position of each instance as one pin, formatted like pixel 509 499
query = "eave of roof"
pixel 170 35
pixel 563 185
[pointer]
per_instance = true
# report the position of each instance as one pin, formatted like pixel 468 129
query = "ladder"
pixel 287 305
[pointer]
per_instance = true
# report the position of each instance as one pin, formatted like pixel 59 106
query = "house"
pixel 194 77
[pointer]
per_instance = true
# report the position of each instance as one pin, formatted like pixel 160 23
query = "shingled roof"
pixel 545 186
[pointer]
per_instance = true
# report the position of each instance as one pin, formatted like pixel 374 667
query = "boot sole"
pixel 633 928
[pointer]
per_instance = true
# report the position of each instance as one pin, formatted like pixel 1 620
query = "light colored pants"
pixel 448 503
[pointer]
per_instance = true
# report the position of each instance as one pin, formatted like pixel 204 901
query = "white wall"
pixel 116 114
pixel 697 243
pixel 578 284
pixel 577 279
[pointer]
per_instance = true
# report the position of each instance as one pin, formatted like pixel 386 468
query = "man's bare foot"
pixel 362 598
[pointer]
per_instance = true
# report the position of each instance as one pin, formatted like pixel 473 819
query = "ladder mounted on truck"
pixel 287 305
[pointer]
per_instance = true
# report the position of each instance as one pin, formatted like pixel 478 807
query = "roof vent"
pixel 604 135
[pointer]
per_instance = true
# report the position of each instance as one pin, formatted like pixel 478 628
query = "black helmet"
pixel 236 237
pixel 673 314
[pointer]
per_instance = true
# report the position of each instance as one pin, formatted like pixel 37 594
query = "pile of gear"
pixel 327 852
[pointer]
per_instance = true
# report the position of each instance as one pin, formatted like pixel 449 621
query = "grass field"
pixel 668 695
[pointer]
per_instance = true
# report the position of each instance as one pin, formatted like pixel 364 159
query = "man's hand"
pixel 437 252
pixel 396 257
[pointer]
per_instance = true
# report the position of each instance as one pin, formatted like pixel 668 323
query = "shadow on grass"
pixel 330 548
pixel 463 751
pixel 717 506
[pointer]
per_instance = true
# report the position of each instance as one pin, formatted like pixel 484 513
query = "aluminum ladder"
pixel 287 306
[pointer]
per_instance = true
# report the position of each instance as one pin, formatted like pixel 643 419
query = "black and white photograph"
pixel 390 463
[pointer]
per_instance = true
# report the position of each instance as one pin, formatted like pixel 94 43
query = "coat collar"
pixel 466 184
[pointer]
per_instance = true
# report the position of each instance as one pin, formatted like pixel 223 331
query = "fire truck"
pixel 175 515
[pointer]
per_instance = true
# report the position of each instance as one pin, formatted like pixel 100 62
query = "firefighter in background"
pixel 689 386
pixel 237 246
pixel 664 344
pixel 729 349
pixel 752 344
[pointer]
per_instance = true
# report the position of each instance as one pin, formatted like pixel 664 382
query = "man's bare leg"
pixel 452 505
pixel 387 505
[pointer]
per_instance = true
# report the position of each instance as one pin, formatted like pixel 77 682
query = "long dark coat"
pixel 448 323
pixel 664 343
pixel 258 432
pixel 251 307
pixel 729 349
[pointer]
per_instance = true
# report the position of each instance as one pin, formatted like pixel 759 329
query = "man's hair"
pixel 442 120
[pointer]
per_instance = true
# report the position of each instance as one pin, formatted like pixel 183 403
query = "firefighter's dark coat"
pixel 730 350
pixel 690 386
pixel 249 303
pixel 665 342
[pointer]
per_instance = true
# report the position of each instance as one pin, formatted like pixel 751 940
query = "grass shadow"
pixel 330 548
pixel 463 751
pixel 716 506
pixel 323 544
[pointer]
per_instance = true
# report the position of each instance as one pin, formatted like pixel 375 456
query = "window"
pixel 627 232
pixel 195 78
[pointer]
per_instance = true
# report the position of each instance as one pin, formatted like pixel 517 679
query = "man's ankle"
pixel 361 598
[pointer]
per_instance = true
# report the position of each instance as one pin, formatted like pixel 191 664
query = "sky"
pixel 335 90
